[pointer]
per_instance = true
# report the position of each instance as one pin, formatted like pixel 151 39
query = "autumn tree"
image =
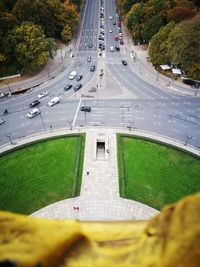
pixel 158 49
pixel 184 47
pixel 32 49
pixel 125 5
pixel 66 34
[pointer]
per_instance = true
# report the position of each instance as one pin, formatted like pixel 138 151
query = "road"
pixel 120 96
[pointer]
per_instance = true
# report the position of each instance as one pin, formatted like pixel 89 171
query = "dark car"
pixel 34 103
pixel 117 48
pixel 92 68
pixel 124 62
pixel 79 77
pixel 67 87
pixel 77 87
pixel 89 59
pixel 85 108
pixel 121 42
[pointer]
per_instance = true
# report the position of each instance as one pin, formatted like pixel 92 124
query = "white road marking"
pixel 77 110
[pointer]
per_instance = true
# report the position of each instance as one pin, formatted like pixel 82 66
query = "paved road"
pixel 123 96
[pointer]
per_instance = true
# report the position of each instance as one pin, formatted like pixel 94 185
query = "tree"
pixel 184 47
pixel 125 5
pixel 158 49
pixel 151 27
pixel 31 47
pixel 66 34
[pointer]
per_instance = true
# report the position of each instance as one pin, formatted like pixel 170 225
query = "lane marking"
pixel 77 110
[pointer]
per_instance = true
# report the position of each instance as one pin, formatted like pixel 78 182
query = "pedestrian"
pixel 88 173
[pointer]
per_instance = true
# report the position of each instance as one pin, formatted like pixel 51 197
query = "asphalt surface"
pixel 123 96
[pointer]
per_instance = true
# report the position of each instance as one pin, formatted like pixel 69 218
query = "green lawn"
pixel 155 174
pixel 40 174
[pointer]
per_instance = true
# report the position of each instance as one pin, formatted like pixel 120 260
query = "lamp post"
pixel 196 86
pixel 41 117
pixel 9 88
pixel 51 128
pixel 101 76
pixel 97 94
pixel 188 138
pixel 157 76
pixel 130 125
pixel 9 137
pixel 48 73
pixel 70 124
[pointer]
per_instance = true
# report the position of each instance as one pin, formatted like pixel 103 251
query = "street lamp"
pixel 9 137
pixel 70 124
pixel 157 76
pixel 130 125
pixel 101 76
pixel 42 120
pixel 51 128
pixel 48 73
pixel 97 94
pixel 9 88
pixel 188 138
pixel 196 86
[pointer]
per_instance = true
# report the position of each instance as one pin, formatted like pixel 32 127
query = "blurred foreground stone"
pixel 172 238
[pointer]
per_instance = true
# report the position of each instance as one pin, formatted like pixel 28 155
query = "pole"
pixel 188 138
pixel 9 137
pixel 97 95
pixel 51 128
pixel 42 121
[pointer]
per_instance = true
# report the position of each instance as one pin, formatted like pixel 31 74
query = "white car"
pixel 2 95
pixel 1 121
pixel 110 31
pixel 72 75
pixel 54 101
pixel 112 49
pixel 34 112
pixel 110 17
pixel 43 94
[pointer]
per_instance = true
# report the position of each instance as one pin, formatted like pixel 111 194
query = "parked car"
pixel 67 87
pixel 72 75
pixel 124 62
pixel 79 77
pixel 54 101
pixel 92 68
pixel 85 108
pixel 111 49
pixel 34 103
pixel 77 87
pixel 121 42
pixel 117 48
pixel 110 31
pixel 43 94
pixel 32 113
pixel 1 121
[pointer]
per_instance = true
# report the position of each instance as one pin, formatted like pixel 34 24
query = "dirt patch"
pixel 143 47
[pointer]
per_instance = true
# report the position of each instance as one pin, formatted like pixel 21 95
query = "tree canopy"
pixel 171 27
pixel 49 19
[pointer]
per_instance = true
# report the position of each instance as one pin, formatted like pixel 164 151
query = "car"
pixel 124 62
pixel 72 75
pixel 79 77
pixel 110 17
pixel 34 103
pixel 2 95
pixel 92 68
pixel 85 108
pixel 1 121
pixel 114 23
pixel 89 59
pixel 67 87
pixel 110 31
pixel 111 49
pixel 117 48
pixel 54 101
pixel 32 113
pixel 90 45
pixel 121 42
pixel 43 94
pixel 77 87
pixel 120 34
